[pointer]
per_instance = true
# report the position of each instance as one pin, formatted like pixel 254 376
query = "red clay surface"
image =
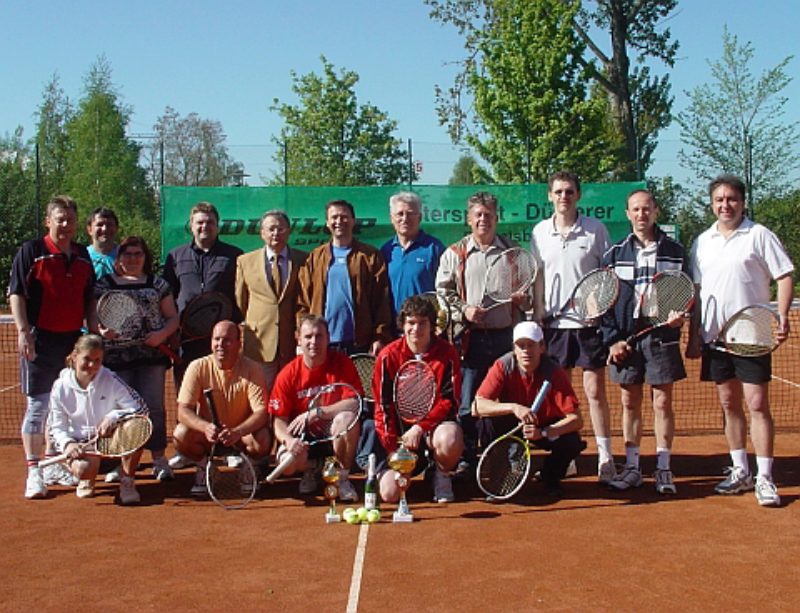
pixel 594 549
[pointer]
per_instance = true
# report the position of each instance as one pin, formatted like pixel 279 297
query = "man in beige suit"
pixel 266 293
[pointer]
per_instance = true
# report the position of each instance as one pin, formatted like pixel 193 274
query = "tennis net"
pixel 696 406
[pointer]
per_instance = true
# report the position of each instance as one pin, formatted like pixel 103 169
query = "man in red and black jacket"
pixel 50 288
pixel 439 431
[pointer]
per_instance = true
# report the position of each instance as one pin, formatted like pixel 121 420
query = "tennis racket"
pixel 443 319
pixel 120 312
pixel 414 391
pixel 504 467
pixel 669 291
pixel 511 272
pixel 750 332
pixel 230 484
pixel 365 366
pixel 332 413
pixel 594 294
pixel 202 313
pixel 128 436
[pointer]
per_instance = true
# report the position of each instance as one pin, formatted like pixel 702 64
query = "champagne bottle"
pixel 371 485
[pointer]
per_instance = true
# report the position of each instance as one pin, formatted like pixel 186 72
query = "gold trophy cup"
pixel 330 474
pixel 403 461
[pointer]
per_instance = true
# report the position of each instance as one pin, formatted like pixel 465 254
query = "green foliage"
pixel 194 151
pixel 328 139
pixel 19 220
pixel 546 95
pixel 735 110
pixel 782 216
pixel 678 206
pixel 51 138
pixel 467 171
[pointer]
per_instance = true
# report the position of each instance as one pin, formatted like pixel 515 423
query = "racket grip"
pixel 53 460
pixel 165 350
pixel 280 468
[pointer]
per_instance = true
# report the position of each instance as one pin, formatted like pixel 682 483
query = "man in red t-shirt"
pixel 438 430
pixel 508 391
pixel 295 386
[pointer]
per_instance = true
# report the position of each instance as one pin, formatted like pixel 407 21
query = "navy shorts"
pixel 653 361
pixel 572 347
pixel 718 366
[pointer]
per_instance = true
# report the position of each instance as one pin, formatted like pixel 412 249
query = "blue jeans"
pixel 148 381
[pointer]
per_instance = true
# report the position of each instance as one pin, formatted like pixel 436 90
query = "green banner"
pixel 444 212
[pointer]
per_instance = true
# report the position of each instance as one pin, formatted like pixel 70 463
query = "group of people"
pixel 298 317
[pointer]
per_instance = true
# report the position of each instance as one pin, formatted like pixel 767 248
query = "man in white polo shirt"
pixel 734 262
pixel 570 244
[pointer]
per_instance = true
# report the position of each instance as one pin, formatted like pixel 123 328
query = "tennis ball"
pixel 373 515
pixel 350 515
pixel 362 514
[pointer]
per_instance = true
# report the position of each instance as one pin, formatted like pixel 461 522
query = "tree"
pixel 20 221
pixel 194 151
pixel 103 163
pixel 634 104
pixel 51 138
pixel 690 214
pixel 780 214
pixel 329 140
pixel 467 171
pixel 733 124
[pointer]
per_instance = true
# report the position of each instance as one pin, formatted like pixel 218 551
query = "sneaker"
pixel 85 488
pixel 628 478
pixel 114 475
pixel 199 486
pixel 443 487
pixel 767 493
pixel 179 461
pixel 606 472
pixel 127 491
pixel 162 471
pixel 58 474
pixel 234 461
pixel 664 484
pixel 309 482
pixel 736 482
pixel 35 486
pixel 572 469
pixel 347 492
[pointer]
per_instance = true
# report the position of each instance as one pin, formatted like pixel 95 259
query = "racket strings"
pixel 504 467
pixel 751 332
pixel 595 294
pixel 667 293
pixel 328 426
pixel 203 313
pixel 415 391
pixel 512 272
pixel 120 312
pixel 231 484
pixel 128 436
pixel 365 366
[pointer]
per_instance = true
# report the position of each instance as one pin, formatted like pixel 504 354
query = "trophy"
pixel 330 474
pixel 403 461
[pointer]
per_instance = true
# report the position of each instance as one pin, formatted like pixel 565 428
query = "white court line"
pixel 358 567
pixel 787 382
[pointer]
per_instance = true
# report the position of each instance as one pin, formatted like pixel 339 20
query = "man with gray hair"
pixel 411 256
pixel 266 294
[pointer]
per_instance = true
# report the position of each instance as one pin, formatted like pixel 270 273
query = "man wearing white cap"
pixel 509 389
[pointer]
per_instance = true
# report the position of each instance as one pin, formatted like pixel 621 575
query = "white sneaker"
pixel 127 491
pixel 234 461
pixel 199 486
pixel 309 482
pixel 179 461
pixel 162 471
pixel 58 474
pixel 114 475
pixel 443 487
pixel 85 488
pixel 572 469
pixel 34 485
pixel 606 472
pixel 347 492
pixel 664 482
pixel 766 492
pixel 628 478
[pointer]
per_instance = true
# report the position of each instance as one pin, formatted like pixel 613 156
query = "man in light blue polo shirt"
pixel 412 256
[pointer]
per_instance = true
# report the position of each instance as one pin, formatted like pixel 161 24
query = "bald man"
pixel 241 403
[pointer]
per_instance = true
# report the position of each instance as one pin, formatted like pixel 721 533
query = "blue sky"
pixel 228 60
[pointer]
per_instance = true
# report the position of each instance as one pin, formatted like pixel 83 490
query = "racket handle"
pixel 280 468
pixel 164 349
pixel 53 460
pixel 537 402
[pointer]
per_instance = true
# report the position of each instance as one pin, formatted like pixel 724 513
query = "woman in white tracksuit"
pixel 87 398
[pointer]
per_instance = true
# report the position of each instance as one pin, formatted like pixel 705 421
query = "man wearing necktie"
pixel 266 293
